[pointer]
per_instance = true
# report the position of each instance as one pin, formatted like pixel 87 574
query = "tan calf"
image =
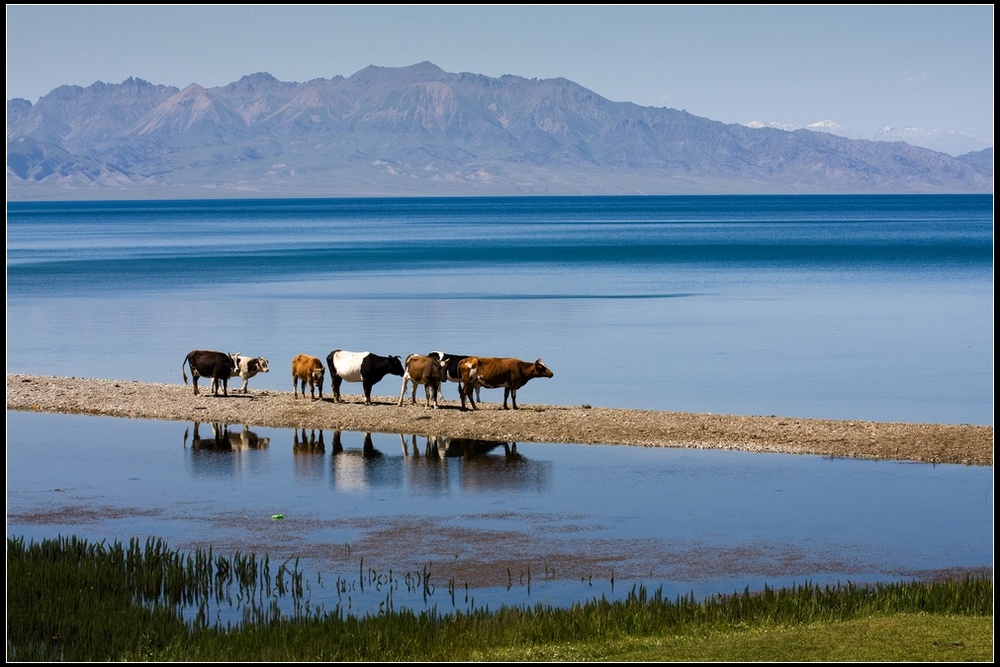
pixel 427 371
pixel 307 369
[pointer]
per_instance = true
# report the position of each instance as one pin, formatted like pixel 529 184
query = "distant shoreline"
pixel 929 443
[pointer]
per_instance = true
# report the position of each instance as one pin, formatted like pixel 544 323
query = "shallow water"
pixel 494 523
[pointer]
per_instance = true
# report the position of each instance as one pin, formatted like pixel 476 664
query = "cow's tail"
pixel 187 359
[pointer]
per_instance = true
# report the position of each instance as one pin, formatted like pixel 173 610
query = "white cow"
pixel 247 367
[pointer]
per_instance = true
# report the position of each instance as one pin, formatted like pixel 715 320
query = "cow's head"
pixel 259 364
pixel 395 365
pixel 542 370
pixel 234 358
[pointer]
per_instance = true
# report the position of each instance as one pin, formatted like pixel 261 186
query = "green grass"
pixel 68 600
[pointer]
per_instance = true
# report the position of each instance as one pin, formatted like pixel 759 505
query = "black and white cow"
pixel 247 367
pixel 363 367
pixel 451 362
pixel 210 364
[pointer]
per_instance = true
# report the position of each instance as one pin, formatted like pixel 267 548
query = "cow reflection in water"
pixel 355 469
pixel 222 439
pixel 224 451
pixel 431 449
pixel 308 449
pixel 473 448
pixel 479 465
pixel 427 471
pixel 490 465
pixel 308 444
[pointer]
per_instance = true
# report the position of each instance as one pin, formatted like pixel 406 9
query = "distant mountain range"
pixel 944 141
pixel 417 131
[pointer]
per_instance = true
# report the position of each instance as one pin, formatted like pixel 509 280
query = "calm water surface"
pixel 516 523
pixel 875 308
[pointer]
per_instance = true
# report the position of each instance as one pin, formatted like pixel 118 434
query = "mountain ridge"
pixel 419 130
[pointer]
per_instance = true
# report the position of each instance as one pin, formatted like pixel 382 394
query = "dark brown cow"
pixel 427 371
pixel 210 364
pixel 496 372
pixel 307 369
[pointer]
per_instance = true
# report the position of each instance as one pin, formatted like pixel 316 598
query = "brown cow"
pixel 496 372
pixel 307 369
pixel 427 371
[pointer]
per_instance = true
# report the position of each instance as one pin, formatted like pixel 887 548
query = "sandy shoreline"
pixel 931 443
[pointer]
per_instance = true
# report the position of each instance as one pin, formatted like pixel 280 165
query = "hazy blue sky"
pixel 929 67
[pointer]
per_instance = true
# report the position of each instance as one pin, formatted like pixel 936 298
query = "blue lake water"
pixel 846 307
pixel 862 308
pixel 500 523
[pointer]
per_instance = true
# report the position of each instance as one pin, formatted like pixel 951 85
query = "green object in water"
pixel 277 516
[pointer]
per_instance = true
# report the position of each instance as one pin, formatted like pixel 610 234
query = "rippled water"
pixel 493 523
pixel 877 308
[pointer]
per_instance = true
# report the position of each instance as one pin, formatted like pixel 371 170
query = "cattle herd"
pixel 472 373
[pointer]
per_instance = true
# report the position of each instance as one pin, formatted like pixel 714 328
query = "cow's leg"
pixel 335 381
pixel 467 392
pixel 513 398
pixel 368 393
pixel 508 392
pixel 246 381
pixel 402 392
pixel 194 381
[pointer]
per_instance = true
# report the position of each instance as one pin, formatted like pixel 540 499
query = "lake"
pixel 842 307
pixel 836 307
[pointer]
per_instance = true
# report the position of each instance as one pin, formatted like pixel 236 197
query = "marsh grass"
pixel 69 600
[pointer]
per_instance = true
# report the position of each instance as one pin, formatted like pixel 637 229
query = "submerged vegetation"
pixel 70 600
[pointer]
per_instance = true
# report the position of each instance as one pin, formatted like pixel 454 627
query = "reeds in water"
pixel 70 600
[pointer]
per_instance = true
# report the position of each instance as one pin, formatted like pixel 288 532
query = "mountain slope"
pixel 419 130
